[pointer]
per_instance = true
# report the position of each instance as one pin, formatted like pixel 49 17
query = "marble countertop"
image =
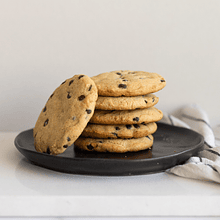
pixel 29 190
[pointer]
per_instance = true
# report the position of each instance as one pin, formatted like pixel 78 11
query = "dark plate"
pixel 172 146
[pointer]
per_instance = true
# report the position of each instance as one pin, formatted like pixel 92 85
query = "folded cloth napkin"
pixel 205 166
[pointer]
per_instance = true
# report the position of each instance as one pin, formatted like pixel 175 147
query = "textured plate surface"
pixel 172 146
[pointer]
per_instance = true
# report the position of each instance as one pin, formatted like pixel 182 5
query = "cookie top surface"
pixel 128 83
pixel 115 145
pixel 119 131
pixel 137 116
pixel 65 115
pixel 126 103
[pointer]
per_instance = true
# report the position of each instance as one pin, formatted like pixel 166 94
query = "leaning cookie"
pixel 119 131
pixel 127 117
pixel 65 115
pixel 126 103
pixel 114 145
pixel 128 83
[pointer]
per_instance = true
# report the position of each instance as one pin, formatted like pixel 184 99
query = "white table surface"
pixel 29 190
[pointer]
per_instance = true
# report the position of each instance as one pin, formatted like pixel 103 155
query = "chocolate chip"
pixel 143 123
pixel 81 76
pixel 68 139
pixel 74 118
pixel 71 82
pixel 124 80
pixel 90 87
pixel 153 100
pixel 115 134
pixel 145 101
pixel 118 73
pixel 46 122
pixel 63 82
pixel 48 150
pixel 90 147
pixel 68 96
pixel 65 146
pixel 136 125
pixel 88 111
pixel 81 97
pixel 136 119
pixel 162 80
pixel 117 128
pixel 128 126
pixel 122 86
pixel 44 110
pixel 51 96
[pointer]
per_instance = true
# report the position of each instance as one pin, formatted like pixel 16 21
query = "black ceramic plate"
pixel 172 146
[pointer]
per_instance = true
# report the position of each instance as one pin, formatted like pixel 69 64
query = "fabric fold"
pixel 205 166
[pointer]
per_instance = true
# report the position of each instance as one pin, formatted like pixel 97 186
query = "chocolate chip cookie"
pixel 126 103
pixel 114 145
pixel 127 117
pixel 119 131
pixel 65 115
pixel 128 83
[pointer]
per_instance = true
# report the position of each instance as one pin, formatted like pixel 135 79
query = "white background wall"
pixel 43 42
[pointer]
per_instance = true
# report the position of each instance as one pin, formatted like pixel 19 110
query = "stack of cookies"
pixel 110 112
pixel 124 117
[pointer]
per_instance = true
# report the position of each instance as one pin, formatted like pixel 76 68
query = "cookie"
pixel 126 103
pixel 128 83
pixel 65 115
pixel 127 117
pixel 115 145
pixel 119 131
